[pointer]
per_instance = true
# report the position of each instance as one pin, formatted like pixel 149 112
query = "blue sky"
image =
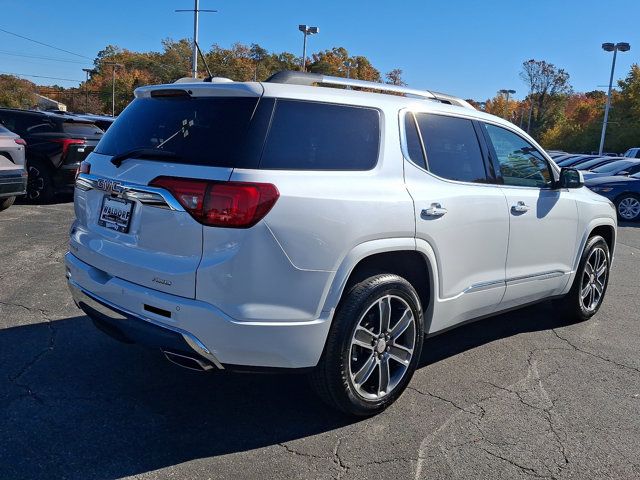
pixel 463 47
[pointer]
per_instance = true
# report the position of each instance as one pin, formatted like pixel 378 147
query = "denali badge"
pixel 109 185
pixel 162 281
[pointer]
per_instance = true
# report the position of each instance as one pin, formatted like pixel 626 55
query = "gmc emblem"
pixel 110 186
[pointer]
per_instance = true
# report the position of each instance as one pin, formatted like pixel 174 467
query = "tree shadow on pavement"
pixel 76 404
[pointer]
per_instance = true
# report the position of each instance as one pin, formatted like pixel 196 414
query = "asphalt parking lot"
pixel 520 395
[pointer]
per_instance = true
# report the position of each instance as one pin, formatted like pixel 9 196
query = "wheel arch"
pixel 400 256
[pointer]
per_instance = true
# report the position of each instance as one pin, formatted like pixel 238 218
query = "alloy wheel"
pixel 382 347
pixel 629 208
pixel 594 279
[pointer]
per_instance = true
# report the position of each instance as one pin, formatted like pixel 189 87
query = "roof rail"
pixel 304 78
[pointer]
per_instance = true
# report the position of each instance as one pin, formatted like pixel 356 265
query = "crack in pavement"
pixel 15 379
pixel 526 470
pixel 595 355
pixel 446 400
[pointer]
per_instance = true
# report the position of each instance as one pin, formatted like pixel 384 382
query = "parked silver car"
pixel 13 175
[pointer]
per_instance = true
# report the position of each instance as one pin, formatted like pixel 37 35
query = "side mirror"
pixel 624 172
pixel 570 178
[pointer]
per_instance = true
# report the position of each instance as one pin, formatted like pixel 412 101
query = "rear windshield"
pixel 201 131
pixel 86 129
pixel 247 133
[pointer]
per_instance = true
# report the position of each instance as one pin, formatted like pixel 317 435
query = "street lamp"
pixel 86 91
pixel 610 47
pixel 506 104
pixel 306 30
pixel 349 64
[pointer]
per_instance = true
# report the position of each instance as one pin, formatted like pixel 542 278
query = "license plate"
pixel 115 214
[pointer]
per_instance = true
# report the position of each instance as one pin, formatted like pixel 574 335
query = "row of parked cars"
pixel 40 151
pixel 617 178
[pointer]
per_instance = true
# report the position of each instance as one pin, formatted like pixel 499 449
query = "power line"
pixel 40 76
pixel 45 44
pixel 15 54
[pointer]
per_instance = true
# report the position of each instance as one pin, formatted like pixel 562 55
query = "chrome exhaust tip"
pixel 188 361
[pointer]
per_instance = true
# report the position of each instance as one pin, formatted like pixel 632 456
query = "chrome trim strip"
pixel 484 286
pixel 536 276
pixel 111 309
pixel 477 287
pixel 152 196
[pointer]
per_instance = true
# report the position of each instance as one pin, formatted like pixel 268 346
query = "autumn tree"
pixel 16 92
pixel 394 77
pixel 548 87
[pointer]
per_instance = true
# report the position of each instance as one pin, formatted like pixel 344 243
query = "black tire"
pixel 627 198
pixel 332 378
pixel 40 183
pixel 6 202
pixel 571 306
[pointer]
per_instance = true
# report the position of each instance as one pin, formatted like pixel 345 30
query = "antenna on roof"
pixel 204 60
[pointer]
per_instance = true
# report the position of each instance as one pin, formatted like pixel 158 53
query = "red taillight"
pixel 85 167
pixel 66 142
pixel 20 141
pixel 222 204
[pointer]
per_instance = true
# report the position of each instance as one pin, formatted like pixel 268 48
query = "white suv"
pixel 293 226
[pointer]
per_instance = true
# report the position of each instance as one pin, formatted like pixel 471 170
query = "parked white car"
pixel 292 226
pixel 13 173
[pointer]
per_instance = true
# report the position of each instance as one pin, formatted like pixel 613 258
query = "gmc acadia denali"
pixel 286 224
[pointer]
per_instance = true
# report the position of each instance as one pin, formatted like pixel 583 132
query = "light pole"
pixel 506 103
pixel 349 64
pixel 194 54
pixel 113 86
pixel 306 30
pixel 86 91
pixel 610 47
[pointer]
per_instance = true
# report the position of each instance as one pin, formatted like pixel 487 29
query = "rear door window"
pixel 452 148
pixel 321 136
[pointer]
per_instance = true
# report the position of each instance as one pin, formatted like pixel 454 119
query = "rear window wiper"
pixel 150 153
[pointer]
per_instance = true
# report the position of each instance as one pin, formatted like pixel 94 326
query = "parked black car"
pixel 55 146
pixel 626 166
pixel 596 162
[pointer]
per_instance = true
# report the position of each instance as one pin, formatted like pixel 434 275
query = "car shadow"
pixel 57 199
pixel 629 224
pixel 76 404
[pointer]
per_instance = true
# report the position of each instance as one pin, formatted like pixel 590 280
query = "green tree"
pixel 16 92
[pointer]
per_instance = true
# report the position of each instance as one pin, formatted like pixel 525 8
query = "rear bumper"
pixel 130 328
pixel 64 178
pixel 13 183
pixel 143 315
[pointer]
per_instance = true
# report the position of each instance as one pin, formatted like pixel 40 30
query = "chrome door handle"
pixel 520 207
pixel 435 210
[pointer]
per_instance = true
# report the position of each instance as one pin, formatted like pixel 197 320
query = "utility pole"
pixel 113 86
pixel 86 90
pixel 196 17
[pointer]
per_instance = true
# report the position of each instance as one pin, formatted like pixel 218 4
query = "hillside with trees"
pixel 551 112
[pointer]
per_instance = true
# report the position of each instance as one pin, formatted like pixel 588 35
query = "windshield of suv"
pixel 613 167
pixel 202 131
